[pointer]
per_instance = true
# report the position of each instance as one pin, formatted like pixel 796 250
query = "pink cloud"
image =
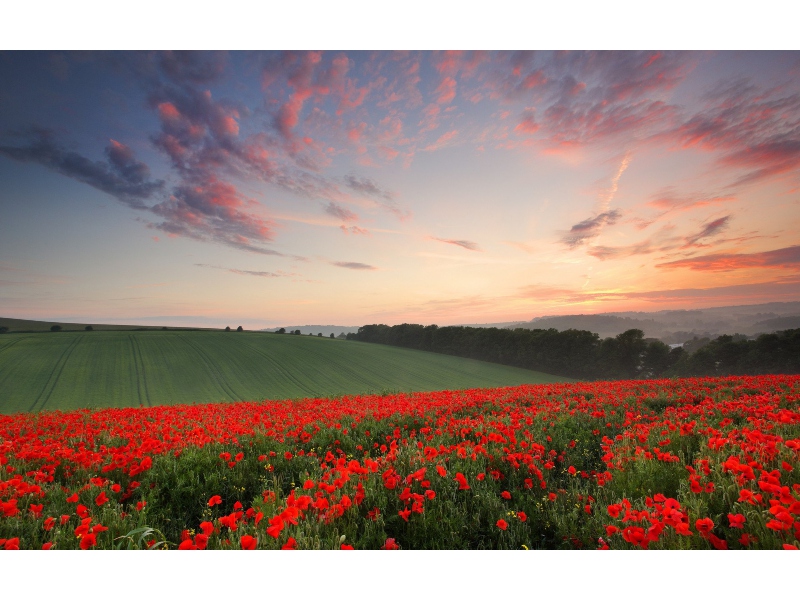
pixel 442 142
pixel 668 200
pixel 782 258
pixel 527 124
pixel 446 91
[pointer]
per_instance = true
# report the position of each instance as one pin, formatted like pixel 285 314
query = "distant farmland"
pixel 69 370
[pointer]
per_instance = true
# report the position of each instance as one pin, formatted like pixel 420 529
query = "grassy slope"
pixel 124 368
pixel 27 325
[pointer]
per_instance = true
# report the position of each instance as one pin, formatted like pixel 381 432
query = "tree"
pixel 281 330
pixel 319 335
pixel 3 329
pixel 227 329
pixel 239 328
pixel 163 329
pixel 332 336
pixel 55 328
pixel 89 328
pixel 296 332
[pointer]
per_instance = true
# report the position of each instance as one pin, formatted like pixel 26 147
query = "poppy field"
pixel 711 463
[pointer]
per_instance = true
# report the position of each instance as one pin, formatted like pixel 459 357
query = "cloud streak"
pixel 121 175
pixel 355 266
pixel 466 244
pixel 782 258
pixel 588 229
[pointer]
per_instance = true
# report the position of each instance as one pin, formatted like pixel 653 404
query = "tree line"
pixel 584 355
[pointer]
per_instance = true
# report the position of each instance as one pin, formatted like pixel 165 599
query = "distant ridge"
pixel 325 330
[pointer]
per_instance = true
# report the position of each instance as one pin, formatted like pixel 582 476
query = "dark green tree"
pixel 55 328
pixel 89 328
pixel 239 328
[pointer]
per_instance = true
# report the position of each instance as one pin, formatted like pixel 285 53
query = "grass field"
pixel 70 370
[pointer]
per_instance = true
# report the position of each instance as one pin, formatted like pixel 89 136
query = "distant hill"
pixel 678 326
pixel 325 330
pixel 29 326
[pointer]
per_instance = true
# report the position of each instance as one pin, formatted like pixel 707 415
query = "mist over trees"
pixel 584 355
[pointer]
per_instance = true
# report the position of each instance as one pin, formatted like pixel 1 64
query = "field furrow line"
pixel 8 345
pixel 48 388
pixel 141 376
pixel 219 378
pixel 280 367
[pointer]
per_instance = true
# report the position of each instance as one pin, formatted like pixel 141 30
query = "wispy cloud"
pixel 466 244
pixel 120 175
pixel 340 212
pixel 588 229
pixel 267 274
pixel 782 258
pixel 356 266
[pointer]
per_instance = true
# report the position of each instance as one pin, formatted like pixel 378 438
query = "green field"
pixel 69 370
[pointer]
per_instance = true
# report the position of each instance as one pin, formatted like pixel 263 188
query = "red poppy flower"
pixel 47 545
pixel 237 505
pixel 522 516
pixel 12 544
pixel 73 498
pixel 239 456
pixel 309 484
pixel 291 544
pixel 736 521
pixel 214 500
pixel 571 470
pixel 248 542
pixel 441 471
pixel 405 514
pixel 614 510
pixel 704 526
pixel 101 499
pixel 462 481
pixel 88 541
pixel 64 519
pixel 187 545
pixel 505 495
pixel 390 544
pixel 141 505
pixel 502 524
pixel 201 541
pixel 116 488
pixel 207 527
pixel 347 547
pixel 552 497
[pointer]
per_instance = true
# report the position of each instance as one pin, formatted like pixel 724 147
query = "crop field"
pixel 709 463
pixel 70 370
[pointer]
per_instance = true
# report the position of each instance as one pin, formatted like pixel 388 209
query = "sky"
pixel 278 188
